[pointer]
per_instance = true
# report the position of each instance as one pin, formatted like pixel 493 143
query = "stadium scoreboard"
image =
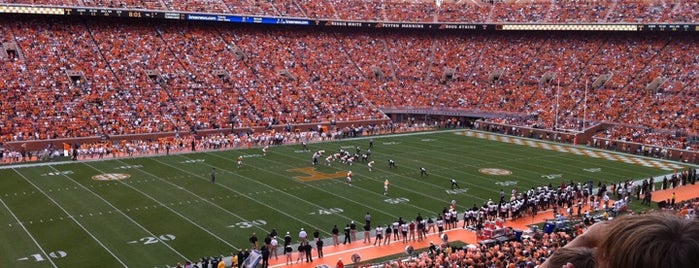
pixel 92 12
pixel 243 19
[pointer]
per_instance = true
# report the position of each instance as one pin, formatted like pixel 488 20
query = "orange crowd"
pixel 102 77
pixel 556 11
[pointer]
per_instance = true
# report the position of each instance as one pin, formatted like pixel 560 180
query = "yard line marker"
pixel 74 220
pixel 204 177
pixel 336 182
pixel 172 210
pixel 595 153
pixel 27 231
pixel 303 187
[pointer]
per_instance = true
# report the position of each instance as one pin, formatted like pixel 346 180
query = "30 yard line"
pixel 28 233
pixel 72 218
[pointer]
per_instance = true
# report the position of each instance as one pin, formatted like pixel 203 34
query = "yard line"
pixel 28 233
pixel 204 199
pixel 460 131
pixel 587 152
pixel 309 185
pixel 168 208
pixel 121 212
pixel 72 218
pixel 245 195
pixel 356 187
pixel 396 186
pixel 457 163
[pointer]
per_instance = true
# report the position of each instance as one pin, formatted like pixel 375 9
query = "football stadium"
pixel 362 133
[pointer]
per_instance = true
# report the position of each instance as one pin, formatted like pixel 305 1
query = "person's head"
pixel 649 241
pixel 580 257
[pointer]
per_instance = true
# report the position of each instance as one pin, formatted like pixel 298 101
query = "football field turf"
pixel 155 211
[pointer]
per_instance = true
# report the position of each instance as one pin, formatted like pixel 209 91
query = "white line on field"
pixel 246 196
pixel 72 218
pixel 28 233
pixel 168 208
pixel 294 196
pixel 119 211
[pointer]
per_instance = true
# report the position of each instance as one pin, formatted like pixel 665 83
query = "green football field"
pixel 155 211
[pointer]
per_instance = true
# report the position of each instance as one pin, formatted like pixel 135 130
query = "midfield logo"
pixel 313 175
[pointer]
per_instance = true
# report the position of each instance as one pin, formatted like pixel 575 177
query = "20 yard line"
pixel 120 212
pixel 72 218
pixel 170 209
pixel 244 195
pixel 28 233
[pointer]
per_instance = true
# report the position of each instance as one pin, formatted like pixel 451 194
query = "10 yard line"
pixel 74 220
pixel 27 231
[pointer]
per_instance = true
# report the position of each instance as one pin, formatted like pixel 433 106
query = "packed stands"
pixel 154 77
pixel 557 11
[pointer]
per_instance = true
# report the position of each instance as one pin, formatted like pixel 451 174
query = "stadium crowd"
pixel 422 11
pixel 155 77
pixel 274 76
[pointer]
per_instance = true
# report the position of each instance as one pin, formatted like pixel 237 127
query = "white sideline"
pixel 30 164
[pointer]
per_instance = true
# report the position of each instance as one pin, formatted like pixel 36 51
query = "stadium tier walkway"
pixel 682 193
